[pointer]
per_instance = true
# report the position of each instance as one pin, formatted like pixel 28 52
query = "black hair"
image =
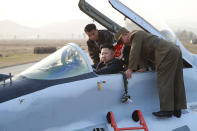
pixel 106 45
pixel 90 27
pixel 119 42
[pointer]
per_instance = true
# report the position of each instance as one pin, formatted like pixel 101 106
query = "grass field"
pixel 16 52
pixel 191 47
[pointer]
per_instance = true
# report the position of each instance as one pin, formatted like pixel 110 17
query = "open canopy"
pixel 149 21
pixel 146 17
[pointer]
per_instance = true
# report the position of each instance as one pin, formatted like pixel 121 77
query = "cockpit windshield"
pixel 66 62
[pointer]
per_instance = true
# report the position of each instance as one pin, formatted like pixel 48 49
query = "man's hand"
pixel 129 73
pixel 142 69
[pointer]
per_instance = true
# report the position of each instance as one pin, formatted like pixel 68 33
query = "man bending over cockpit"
pixel 108 64
pixel 167 59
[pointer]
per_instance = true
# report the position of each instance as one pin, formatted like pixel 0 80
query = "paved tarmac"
pixel 15 69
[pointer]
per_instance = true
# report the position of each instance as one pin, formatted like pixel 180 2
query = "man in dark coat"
pixel 108 64
pixel 96 39
pixel 167 59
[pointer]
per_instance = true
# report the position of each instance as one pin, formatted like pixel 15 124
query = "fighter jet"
pixel 62 93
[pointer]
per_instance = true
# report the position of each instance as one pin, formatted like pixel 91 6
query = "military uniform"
pixel 104 36
pixel 167 58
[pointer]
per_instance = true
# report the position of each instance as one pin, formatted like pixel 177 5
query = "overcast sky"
pixel 35 13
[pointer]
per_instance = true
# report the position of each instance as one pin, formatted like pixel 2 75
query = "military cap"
pixel 119 34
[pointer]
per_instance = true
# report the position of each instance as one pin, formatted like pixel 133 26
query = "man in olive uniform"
pixel 167 59
pixel 96 39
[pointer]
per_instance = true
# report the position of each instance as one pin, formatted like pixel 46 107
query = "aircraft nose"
pixel 13 88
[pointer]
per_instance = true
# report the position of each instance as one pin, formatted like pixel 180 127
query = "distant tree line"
pixel 183 35
pixel 186 36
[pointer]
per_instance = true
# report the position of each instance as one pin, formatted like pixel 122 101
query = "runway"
pixel 15 69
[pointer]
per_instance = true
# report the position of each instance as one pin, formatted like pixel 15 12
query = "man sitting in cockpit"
pixel 108 64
